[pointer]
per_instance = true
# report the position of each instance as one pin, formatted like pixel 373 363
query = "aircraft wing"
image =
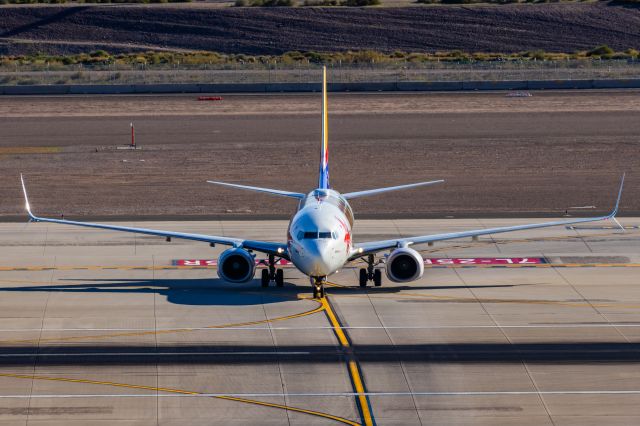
pixel 278 249
pixel 376 246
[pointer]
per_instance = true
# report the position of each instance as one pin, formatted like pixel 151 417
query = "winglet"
pixel 615 209
pixel 26 200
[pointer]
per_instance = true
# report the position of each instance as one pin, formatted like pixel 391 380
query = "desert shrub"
pixel 538 55
pixel 321 3
pixel 360 3
pixel 271 3
pixel 26 82
pixel 98 53
pixel 632 52
pixel 602 51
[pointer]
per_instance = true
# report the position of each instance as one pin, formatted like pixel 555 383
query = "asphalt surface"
pixel 101 328
pixel 500 156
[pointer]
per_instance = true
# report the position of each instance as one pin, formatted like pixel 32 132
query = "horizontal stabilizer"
pixel 258 189
pixel 350 195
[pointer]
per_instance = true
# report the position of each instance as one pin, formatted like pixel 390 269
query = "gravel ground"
pixel 506 28
pixel 500 156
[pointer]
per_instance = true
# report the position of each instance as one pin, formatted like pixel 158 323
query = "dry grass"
pixel 17 150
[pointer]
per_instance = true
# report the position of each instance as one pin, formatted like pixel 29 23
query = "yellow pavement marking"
pixel 319 308
pixel 354 371
pixel 342 338
pixel 183 392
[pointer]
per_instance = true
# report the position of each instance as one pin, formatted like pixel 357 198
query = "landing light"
pixel 280 250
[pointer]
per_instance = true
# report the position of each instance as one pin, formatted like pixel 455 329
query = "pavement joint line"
pixel 363 403
pixel 227 397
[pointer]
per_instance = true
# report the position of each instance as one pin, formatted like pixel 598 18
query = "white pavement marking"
pixel 332 394
pixel 78 354
pixel 373 327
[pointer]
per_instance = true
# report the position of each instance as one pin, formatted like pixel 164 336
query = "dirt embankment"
pixel 509 28
pixel 500 156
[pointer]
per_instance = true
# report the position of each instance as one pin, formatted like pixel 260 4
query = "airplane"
pixel 319 237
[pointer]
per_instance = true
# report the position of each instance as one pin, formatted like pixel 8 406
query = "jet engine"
pixel 404 265
pixel 236 265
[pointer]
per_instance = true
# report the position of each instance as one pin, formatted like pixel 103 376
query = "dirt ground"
pixel 477 28
pixel 500 156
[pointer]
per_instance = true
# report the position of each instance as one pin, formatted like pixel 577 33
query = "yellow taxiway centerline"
pixel 183 392
pixel 354 371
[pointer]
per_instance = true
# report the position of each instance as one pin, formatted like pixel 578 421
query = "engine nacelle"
pixel 236 265
pixel 404 265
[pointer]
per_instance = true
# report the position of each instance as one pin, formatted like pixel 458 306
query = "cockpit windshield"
pixel 314 235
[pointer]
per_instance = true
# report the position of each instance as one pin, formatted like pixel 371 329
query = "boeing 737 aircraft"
pixel 319 239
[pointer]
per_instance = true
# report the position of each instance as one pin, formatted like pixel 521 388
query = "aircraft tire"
pixel 363 277
pixel 377 277
pixel 264 278
pixel 279 277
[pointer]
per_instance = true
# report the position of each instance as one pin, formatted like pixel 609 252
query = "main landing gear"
pixel 318 287
pixel 370 273
pixel 272 274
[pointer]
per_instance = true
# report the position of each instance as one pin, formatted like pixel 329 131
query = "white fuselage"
pixel 319 236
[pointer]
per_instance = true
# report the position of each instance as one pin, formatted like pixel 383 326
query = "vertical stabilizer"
pixel 323 180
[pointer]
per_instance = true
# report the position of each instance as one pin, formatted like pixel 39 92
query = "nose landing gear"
pixel 318 287
pixel 370 273
pixel 272 274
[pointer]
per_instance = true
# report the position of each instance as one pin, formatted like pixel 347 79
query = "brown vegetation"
pixel 567 28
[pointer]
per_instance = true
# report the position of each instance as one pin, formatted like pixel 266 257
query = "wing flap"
pixel 261 246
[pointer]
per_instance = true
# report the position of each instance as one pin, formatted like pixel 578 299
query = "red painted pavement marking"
pixel 214 262
pixel 428 261
pixel 486 261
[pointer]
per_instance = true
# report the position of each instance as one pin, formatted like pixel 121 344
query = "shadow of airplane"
pixel 202 291
pixel 214 291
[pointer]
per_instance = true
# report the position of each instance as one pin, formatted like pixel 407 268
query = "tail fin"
pixel 323 179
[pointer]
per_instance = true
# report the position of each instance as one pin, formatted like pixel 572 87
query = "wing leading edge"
pixel 277 249
pixel 375 246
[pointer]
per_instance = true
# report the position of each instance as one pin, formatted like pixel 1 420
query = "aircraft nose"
pixel 321 264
